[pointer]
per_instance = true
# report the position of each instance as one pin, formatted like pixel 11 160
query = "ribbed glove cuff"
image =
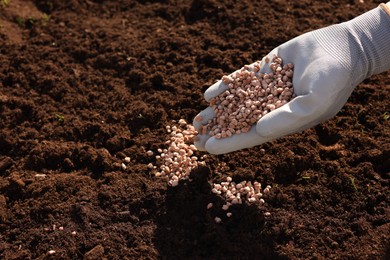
pixel 361 45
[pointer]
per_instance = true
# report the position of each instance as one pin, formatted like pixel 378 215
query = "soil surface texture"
pixel 84 84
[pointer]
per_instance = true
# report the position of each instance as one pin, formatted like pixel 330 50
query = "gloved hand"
pixel 328 64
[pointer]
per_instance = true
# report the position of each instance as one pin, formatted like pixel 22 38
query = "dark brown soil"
pixel 85 83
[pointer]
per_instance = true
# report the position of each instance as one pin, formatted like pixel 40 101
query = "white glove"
pixel 328 64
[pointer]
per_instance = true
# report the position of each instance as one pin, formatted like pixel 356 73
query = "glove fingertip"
pixel 214 90
pixel 263 130
pixel 212 146
pixel 200 142
pixel 200 146
pixel 203 118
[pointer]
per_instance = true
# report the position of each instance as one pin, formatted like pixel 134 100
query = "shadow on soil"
pixel 187 230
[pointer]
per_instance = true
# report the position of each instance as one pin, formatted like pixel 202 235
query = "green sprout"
pixel 353 184
pixel 140 116
pixel 31 20
pixel 303 178
pixel 20 21
pixel 59 117
pixel 45 18
pixel 263 228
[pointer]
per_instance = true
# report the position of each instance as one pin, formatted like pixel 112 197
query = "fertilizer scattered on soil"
pixel 178 160
pixel 236 193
